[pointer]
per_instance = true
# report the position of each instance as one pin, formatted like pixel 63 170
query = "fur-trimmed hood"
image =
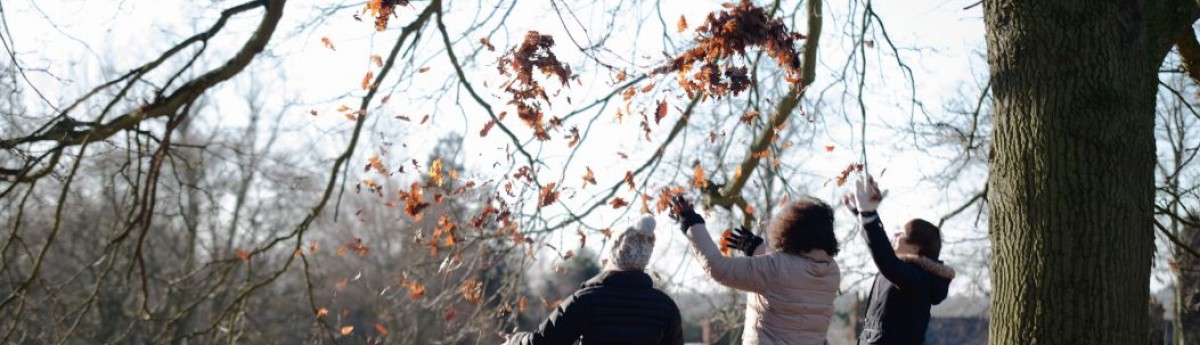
pixel 929 265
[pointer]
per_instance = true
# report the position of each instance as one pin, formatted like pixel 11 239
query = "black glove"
pixel 682 212
pixel 743 240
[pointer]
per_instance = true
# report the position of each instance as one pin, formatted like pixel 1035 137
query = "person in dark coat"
pixel 910 280
pixel 618 306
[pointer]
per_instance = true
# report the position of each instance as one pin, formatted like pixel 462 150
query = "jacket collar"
pixel 817 255
pixel 929 265
pixel 621 279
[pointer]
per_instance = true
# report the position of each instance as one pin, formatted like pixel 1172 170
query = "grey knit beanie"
pixel 633 246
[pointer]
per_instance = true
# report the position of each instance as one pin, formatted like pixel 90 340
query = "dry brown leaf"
pixel 698 179
pixel 618 203
pixel 366 81
pixel 589 177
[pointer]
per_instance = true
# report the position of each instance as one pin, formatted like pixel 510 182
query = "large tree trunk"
pixel 1187 290
pixel 1071 184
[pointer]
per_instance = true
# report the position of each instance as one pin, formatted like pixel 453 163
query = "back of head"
pixel 925 235
pixel 633 246
pixel 803 225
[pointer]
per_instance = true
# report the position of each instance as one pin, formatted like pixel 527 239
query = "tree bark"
pixel 1071 179
pixel 1187 290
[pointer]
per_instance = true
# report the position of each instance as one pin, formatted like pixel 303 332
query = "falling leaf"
pixel 343 108
pixel 568 255
pixel 645 204
pixel 750 116
pixel 869 43
pixel 548 195
pixel 425 118
pixel 381 329
pixel 472 291
pixel 450 314
pixel 385 99
pixel 629 93
pixel 606 232
pixel 828 148
pixel 521 304
pixel 618 203
pixel 405 118
pixel 322 312
pixel 589 177
pixel 423 70
pixel 725 239
pixel 629 180
pixel 682 24
pixel 328 43
pixel 841 178
pixel 341 284
pixel 357 246
pixel 376 163
pixel 351 116
pixel 413 201
pixel 435 171
pixel 574 136
pixel 415 290
pixel 783 201
pixel 313 246
pixel 698 179
pixel 312 112
pixel 487 127
pixel 661 112
pixel 346 330
pixel 487 43
pixel 647 88
pixel 623 155
pixel 377 60
pixel 244 255
pixel 366 81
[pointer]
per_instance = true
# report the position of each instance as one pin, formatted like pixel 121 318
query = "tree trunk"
pixel 1187 290
pixel 1071 184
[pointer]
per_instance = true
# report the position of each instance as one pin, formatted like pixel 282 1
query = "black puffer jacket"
pixel 615 307
pixel 904 290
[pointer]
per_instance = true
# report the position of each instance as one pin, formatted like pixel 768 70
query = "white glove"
pixel 865 197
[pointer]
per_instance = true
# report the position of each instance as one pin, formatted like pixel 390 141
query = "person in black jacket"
pixel 618 306
pixel 911 279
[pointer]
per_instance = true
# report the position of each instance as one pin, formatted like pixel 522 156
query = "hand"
pixel 865 197
pixel 683 213
pixel 742 240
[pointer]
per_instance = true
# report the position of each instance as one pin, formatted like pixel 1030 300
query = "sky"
pixel 79 42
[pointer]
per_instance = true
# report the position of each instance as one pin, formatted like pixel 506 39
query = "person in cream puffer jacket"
pixel 791 283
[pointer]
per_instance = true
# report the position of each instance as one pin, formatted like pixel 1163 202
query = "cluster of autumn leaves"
pixel 708 69
pixel 725 35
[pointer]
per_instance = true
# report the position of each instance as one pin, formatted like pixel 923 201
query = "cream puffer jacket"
pixel 790 297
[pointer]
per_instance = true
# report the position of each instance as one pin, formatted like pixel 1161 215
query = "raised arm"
pixel 743 273
pixel 863 202
pixel 882 253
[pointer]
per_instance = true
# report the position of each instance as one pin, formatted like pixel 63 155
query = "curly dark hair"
pixel 802 226
pixel 924 235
